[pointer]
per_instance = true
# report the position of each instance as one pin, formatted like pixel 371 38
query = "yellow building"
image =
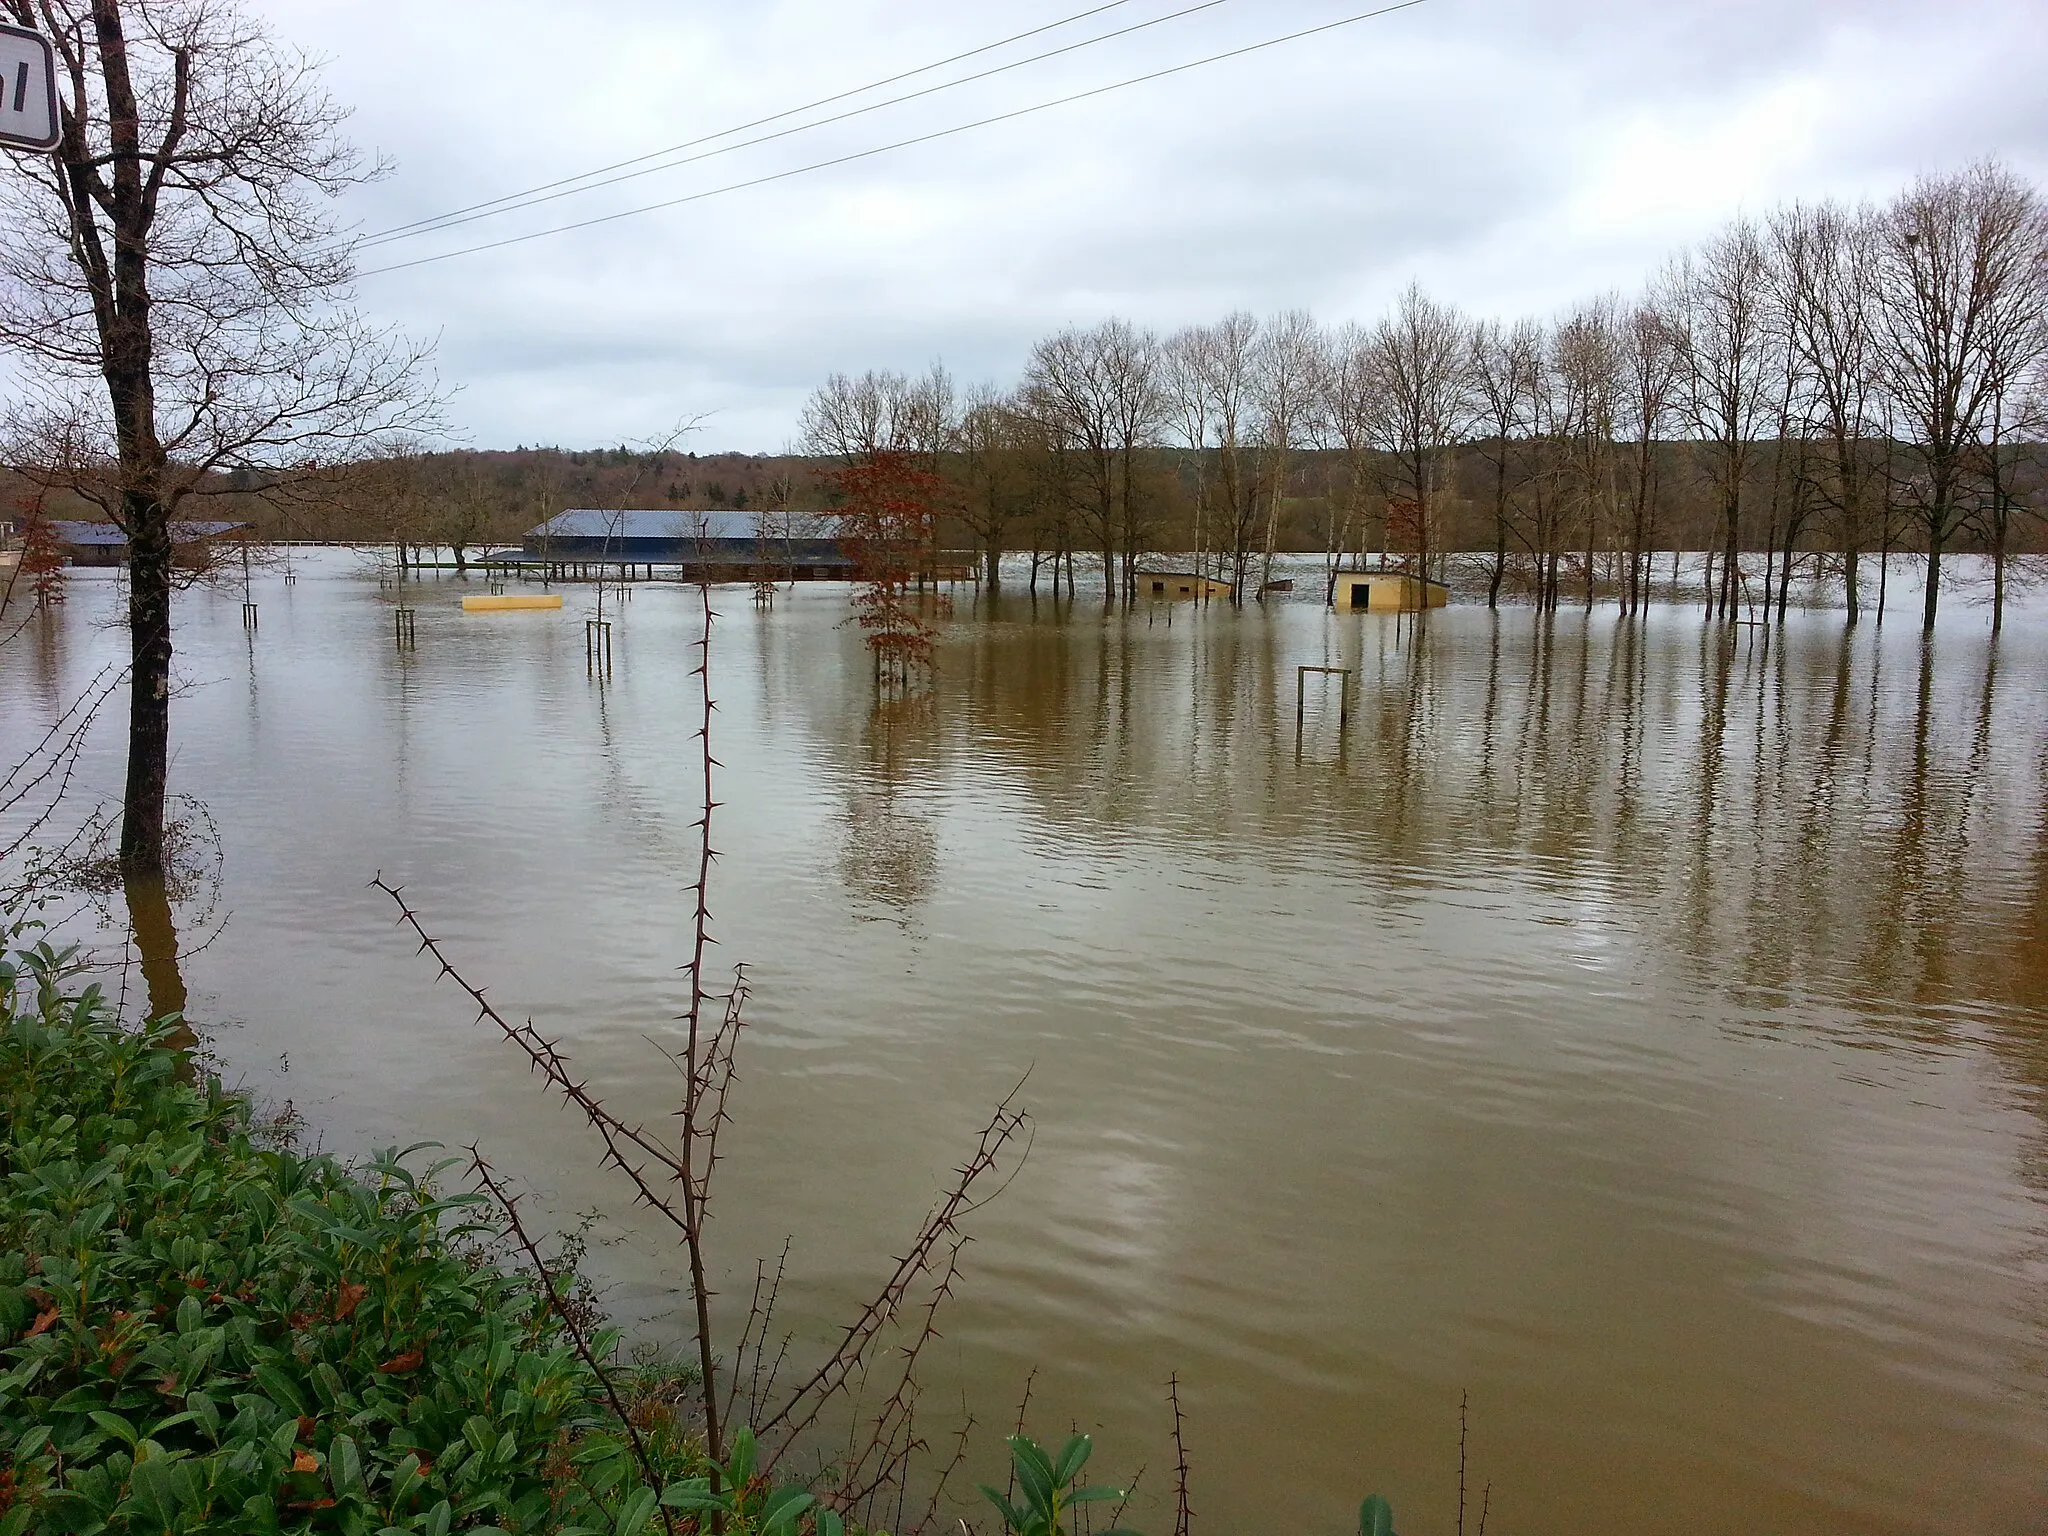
pixel 1173 584
pixel 1386 591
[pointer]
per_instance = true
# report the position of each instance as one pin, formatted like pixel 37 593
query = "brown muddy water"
pixel 1639 1031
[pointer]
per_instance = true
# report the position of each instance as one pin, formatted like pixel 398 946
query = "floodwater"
pixel 1637 1031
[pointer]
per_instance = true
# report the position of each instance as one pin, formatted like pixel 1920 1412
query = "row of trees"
pixel 1813 387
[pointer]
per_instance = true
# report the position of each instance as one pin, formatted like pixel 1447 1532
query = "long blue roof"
pixel 182 531
pixel 689 523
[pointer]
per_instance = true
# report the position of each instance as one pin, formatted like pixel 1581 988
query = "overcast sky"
pixel 1513 158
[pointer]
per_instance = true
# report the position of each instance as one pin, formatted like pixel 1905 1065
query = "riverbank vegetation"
pixel 204 1329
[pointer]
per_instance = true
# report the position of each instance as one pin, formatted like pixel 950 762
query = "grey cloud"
pixel 1512 157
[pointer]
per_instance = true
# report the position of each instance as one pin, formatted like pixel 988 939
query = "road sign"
pixel 28 90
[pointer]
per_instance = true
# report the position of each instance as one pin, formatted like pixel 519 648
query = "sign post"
pixel 28 90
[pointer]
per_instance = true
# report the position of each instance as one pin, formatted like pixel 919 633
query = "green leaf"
pixel 1375 1517
pixel 829 1523
pixel 1035 1473
pixel 404 1481
pixel 154 1487
pixel 1073 1456
pixel 190 1316
pixel 740 1465
pixel 784 1508
pixel 116 1426
pixel 280 1389
pixel 1094 1495
pixel 1014 1518
pixel 345 1463
pixel 633 1514
pixel 441 1518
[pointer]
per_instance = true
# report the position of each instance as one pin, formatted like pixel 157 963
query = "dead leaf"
pixel 350 1297
pixel 401 1365
pixel 307 1424
pixel 44 1322
pixel 305 1461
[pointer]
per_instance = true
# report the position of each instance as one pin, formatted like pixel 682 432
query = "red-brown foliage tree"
pixel 888 520
pixel 42 557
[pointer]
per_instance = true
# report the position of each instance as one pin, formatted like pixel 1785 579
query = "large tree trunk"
pixel 149 690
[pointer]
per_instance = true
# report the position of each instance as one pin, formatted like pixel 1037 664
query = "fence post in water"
pixel 248 615
pixel 1343 676
pixel 597 647
pixel 403 631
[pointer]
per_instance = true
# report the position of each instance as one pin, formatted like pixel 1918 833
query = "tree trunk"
pixel 1934 543
pixel 149 689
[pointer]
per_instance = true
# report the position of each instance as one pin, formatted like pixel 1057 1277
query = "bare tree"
pixel 1183 369
pixel 1210 379
pixel 881 412
pixel 2016 426
pixel 1586 355
pixel 1960 305
pixel 1097 393
pixel 1823 272
pixel 1649 380
pixel 1507 371
pixel 997 491
pixel 1288 384
pixel 1420 358
pixel 173 279
pixel 1716 301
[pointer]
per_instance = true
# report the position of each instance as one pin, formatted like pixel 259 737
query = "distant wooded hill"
pixel 474 499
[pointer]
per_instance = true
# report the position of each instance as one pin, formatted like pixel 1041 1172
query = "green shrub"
pixel 202 1333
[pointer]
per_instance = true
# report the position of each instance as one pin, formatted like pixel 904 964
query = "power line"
pixel 922 138
pixel 513 202
pixel 759 122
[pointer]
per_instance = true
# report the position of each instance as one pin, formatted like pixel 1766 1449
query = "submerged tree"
pixel 42 557
pixel 887 518
pixel 174 280
pixel 1962 304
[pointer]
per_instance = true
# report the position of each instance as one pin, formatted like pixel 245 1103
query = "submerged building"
pixel 192 541
pixel 701 543
pixel 1177 584
pixel 1384 589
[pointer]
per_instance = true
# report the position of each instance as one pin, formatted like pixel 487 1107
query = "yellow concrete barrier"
pixel 510 602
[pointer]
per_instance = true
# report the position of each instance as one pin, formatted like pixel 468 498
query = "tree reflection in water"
pixel 889 852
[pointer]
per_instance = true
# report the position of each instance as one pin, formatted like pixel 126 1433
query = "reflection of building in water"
pixel 1382 589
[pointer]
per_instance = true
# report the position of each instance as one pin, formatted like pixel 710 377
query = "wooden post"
pixel 1343 675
